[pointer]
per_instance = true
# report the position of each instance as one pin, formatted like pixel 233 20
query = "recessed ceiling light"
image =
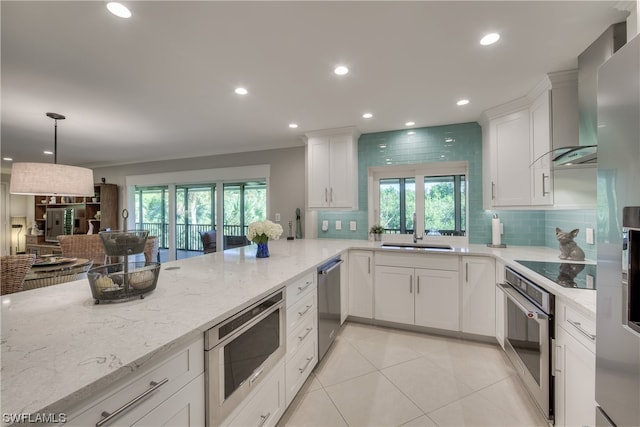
pixel 410 123
pixel 462 102
pixel 293 125
pixel 341 70
pixel 241 91
pixel 382 145
pixel 119 9
pixel 490 38
pixel 411 132
pixel 8 159
pixel 48 152
pixel 367 115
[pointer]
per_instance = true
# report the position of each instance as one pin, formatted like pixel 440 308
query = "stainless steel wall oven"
pixel 240 351
pixel 529 331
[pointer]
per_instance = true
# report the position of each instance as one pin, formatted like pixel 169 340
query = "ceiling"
pixel 160 85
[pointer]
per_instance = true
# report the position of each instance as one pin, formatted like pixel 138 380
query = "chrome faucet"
pixel 415 230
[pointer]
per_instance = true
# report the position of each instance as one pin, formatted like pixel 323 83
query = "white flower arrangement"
pixel 262 231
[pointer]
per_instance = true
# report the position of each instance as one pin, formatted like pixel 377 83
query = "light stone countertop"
pixel 58 348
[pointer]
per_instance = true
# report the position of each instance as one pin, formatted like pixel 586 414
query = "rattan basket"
pixel 121 282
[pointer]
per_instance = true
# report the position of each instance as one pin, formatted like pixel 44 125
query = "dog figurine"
pixel 568 248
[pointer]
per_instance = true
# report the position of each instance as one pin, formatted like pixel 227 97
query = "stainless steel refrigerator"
pixel 618 221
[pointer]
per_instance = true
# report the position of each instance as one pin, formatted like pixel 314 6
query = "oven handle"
pixel 523 304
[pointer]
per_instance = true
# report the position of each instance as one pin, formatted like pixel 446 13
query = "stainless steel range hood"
pixel 565 153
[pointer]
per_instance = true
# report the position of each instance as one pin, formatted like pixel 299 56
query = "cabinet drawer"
pixel 432 262
pixel 577 324
pixel 299 367
pixel 300 288
pixel 306 331
pixel 302 310
pixel 265 407
pixel 178 370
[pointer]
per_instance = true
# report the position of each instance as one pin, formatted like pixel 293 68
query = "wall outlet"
pixel 338 224
pixel 352 226
pixel 325 225
pixel 589 236
pixel 277 217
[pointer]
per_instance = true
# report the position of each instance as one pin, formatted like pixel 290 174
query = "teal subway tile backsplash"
pixel 454 142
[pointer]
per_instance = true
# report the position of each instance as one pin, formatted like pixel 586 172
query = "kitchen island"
pixel 60 349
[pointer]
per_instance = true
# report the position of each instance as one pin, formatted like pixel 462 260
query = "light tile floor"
pixel 375 376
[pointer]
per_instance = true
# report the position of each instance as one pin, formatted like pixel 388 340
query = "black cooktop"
pixel 569 275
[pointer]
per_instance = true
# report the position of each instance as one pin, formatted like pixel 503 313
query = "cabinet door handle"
pixel 303 312
pixel 326 199
pixel 110 416
pixel 263 419
pixel 493 190
pixel 554 360
pixel 417 284
pixel 466 272
pixel 580 329
pixel 544 188
pixel 301 289
pixel 410 284
pixel 303 336
pixel 309 359
pixel 369 265
pixel 331 194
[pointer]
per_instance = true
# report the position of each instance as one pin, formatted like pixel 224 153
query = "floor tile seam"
pixel 335 406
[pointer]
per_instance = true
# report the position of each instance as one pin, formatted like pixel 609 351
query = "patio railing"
pixel 187 236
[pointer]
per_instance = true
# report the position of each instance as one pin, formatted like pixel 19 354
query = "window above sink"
pixel 436 192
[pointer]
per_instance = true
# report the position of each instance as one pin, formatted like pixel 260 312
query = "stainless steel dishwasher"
pixel 328 304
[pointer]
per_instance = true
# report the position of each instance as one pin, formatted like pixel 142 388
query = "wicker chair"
pixel 14 269
pixel 87 246
pixel 151 250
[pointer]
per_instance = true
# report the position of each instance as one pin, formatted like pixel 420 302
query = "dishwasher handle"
pixel 328 268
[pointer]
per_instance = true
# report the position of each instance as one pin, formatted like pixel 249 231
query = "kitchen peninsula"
pixel 60 349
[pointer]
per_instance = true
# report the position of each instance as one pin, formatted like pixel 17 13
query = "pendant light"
pixel 51 179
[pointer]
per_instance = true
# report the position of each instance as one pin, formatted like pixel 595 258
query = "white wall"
pixel 286 180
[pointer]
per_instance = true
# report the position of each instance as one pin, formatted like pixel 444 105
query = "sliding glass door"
pixel 195 212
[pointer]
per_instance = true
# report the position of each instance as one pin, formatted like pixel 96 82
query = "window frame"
pixel 417 171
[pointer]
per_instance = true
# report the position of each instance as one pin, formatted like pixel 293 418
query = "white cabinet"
pixel 332 169
pixel 541 176
pixel 478 295
pixel 361 283
pixel 414 295
pixel 302 333
pixel 500 302
pixel 506 160
pixel 575 368
pixel 174 390
pixel 265 405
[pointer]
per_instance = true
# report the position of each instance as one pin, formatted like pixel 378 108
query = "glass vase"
pixel 263 250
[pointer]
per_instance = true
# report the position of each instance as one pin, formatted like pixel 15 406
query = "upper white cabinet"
pixel 361 284
pixel 332 169
pixel 541 177
pixel 506 157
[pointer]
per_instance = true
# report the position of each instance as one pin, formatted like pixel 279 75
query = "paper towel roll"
pixel 495 231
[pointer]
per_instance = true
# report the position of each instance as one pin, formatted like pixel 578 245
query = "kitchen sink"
pixel 425 246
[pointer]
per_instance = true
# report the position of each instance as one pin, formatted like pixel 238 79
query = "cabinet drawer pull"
pixel 466 272
pixel 309 359
pixel 301 289
pixel 263 419
pixel 410 284
pixel 578 326
pixel 493 190
pixel 110 416
pixel 307 332
pixel 331 194
pixel 326 199
pixel 303 312
pixel 418 284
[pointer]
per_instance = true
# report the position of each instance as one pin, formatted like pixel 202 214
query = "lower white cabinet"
pixel 302 335
pixel 478 295
pixel 172 389
pixel 265 405
pixel 361 283
pixel 575 368
pixel 418 296
pixel 185 408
